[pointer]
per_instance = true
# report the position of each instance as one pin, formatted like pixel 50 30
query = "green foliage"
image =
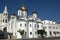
pixel 5 29
pixel 41 32
pixel 21 32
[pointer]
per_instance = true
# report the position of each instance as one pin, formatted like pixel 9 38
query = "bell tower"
pixel 5 9
pixel 5 15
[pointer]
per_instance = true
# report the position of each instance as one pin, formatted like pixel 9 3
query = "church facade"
pixel 29 24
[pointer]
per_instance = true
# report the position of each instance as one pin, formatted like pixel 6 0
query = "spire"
pixel 5 9
pixel 35 11
pixel 22 4
pixel 22 7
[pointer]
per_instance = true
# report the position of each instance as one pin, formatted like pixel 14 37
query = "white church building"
pixel 30 24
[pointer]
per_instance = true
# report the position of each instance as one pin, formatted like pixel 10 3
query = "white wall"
pixel 32 29
pixel 23 27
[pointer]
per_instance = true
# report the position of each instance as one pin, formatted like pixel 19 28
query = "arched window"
pixel 30 33
pixel 50 33
pixel 25 33
pixel 20 25
pixel 30 25
pixel 38 26
pixel 25 25
pixel 6 20
pixel 3 20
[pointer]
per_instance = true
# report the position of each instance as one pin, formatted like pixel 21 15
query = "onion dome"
pixel 23 8
pixel 34 14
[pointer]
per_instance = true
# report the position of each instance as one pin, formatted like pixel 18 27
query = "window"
pixel 6 20
pixel 53 27
pixel 35 32
pixel 54 33
pixel 57 32
pixel 25 25
pixel 49 27
pixel 56 27
pixel 44 22
pixel 30 33
pixel 35 25
pixel 30 25
pixel 3 20
pixel 12 25
pixel 50 33
pixel 46 33
pixel 25 33
pixel 20 25
pixel 6 13
pixel 45 27
pixel 38 26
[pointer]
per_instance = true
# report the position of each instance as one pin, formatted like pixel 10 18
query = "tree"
pixel 5 29
pixel 41 32
pixel 3 34
pixel 21 32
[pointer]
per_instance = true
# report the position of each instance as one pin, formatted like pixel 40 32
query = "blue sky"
pixel 46 9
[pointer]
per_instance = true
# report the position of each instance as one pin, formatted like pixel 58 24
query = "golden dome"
pixel 23 8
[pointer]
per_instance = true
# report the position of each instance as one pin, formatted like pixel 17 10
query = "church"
pixel 28 24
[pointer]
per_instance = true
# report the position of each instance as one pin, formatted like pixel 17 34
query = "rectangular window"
pixel 35 26
pixel 6 13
